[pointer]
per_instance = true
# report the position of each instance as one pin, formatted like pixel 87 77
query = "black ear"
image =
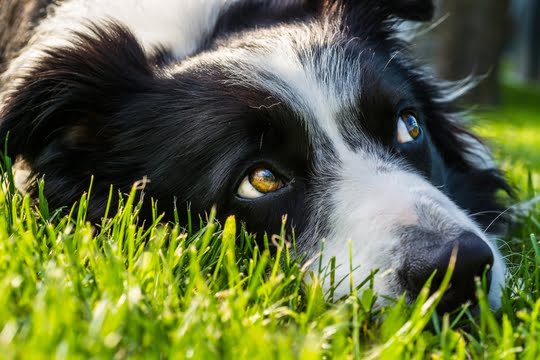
pixel 415 10
pixel 70 91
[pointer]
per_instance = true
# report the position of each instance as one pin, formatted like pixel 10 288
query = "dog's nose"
pixel 474 257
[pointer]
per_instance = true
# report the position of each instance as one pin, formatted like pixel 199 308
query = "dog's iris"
pixel 259 182
pixel 408 128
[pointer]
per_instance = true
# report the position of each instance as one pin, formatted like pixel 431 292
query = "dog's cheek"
pixel 371 200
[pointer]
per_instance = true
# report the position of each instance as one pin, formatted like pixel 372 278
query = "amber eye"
pixel 407 127
pixel 259 182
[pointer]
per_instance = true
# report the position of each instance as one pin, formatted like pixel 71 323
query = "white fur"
pixel 179 25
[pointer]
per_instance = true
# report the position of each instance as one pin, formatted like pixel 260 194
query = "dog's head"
pixel 315 110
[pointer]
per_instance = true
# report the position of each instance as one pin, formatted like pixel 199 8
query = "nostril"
pixel 474 259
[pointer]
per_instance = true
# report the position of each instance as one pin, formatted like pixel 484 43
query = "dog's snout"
pixel 473 258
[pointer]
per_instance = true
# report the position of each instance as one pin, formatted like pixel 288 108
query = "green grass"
pixel 71 290
pixel 513 131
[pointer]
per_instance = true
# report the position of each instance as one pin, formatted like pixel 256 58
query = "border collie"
pixel 314 109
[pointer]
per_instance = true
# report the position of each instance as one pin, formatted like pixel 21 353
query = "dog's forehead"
pixel 307 75
pixel 314 70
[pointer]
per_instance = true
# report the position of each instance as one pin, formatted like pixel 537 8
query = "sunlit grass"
pixel 513 132
pixel 69 289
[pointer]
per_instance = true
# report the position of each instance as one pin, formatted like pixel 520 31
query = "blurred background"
pixel 500 41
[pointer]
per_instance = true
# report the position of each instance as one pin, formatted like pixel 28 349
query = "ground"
pixel 68 290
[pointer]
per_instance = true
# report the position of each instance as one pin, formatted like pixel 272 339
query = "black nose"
pixel 473 258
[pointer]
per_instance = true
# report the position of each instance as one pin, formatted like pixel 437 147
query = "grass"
pixel 513 131
pixel 71 290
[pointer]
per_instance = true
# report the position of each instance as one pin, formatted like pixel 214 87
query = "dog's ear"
pixel 65 98
pixel 415 10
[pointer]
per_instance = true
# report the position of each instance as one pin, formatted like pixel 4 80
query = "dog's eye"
pixel 259 182
pixel 407 127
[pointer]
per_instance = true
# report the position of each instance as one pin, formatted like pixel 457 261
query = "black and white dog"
pixel 311 108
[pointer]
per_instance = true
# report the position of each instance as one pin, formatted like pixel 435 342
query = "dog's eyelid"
pixel 279 171
pixel 409 105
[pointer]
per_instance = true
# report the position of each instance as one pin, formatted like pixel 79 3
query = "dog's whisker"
pixel 520 206
pixel 497 218
pixel 391 59
pixel 266 107
pixel 486 212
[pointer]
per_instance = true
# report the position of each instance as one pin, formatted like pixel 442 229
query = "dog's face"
pixel 327 121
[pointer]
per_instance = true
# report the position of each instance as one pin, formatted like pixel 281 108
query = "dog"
pixel 313 109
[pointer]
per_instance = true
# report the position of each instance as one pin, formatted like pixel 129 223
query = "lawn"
pixel 513 131
pixel 70 290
